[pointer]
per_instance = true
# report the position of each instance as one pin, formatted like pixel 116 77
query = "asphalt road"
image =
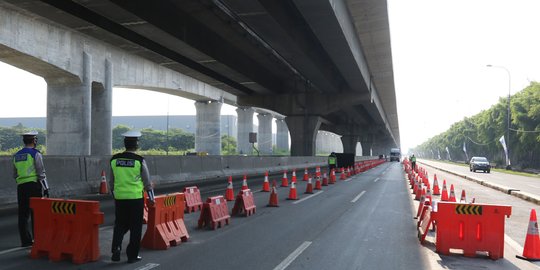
pixel 363 223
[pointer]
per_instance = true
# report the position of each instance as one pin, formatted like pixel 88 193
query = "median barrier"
pixel 244 203
pixel 165 222
pixel 211 167
pixel 66 229
pixel 472 228
pixel 215 213
pixel 193 199
pixel 66 175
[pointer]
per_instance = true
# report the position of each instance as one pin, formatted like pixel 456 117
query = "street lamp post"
pixel 508 167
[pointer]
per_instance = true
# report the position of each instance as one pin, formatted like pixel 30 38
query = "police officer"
pixel 29 173
pixel 412 159
pixel 332 161
pixel 130 177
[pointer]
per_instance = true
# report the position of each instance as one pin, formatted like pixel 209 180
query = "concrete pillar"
pixel 349 143
pixel 69 113
pixel 102 114
pixel 303 134
pixel 282 135
pixel 264 136
pixel 367 143
pixel 208 133
pixel 245 126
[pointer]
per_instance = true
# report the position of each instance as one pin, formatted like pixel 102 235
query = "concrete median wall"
pixel 70 176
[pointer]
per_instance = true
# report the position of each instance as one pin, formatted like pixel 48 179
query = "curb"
pixel 508 190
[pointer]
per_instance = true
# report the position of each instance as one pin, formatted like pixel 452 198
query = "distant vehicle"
pixel 479 163
pixel 395 154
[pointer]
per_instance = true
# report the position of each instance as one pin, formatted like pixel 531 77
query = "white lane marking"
pixel 13 250
pixel 285 263
pixel 148 266
pixel 106 228
pixel 308 197
pixel 513 244
pixel 376 179
pixel 347 180
pixel 358 196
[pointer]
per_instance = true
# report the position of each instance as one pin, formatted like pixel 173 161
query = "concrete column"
pixel 245 126
pixel 208 133
pixel 349 143
pixel 264 137
pixel 367 143
pixel 102 114
pixel 69 113
pixel 303 134
pixel 282 136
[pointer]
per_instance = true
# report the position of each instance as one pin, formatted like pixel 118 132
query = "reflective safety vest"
pixel 128 183
pixel 332 160
pixel 413 159
pixel 24 162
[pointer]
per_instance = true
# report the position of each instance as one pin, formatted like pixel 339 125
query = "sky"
pixel 440 50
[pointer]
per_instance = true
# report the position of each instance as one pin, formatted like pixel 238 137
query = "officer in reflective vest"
pixel 29 173
pixel 130 177
pixel 332 161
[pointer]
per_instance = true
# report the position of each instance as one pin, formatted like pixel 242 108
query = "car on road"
pixel 480 164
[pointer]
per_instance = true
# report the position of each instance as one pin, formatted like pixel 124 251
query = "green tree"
pixel 228 145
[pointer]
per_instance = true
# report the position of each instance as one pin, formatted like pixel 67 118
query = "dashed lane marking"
pixel 285 263
pixel 358 196
pixel 308 197
pixel 377 179
pixel 13 250
pixel 148 266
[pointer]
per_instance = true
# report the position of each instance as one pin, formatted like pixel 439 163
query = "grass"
pixel 493 169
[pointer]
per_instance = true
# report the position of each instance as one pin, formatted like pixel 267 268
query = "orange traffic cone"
pixel 452 194
pixel 103 184
pixel 436 190
pixel 284 180
pixel 463 197
pixel 332 176
pixel 444 195
pixel 309 187
pixel 318 183
pixel 349 174
pixel 306 175
pixel 418 191
pixel 292 192
pixel 324 179
pixel 273 202
pixel 428 196
pixel 343 175
pixel 229 193
pixel 266 184
pixel 244 183
pixel 293 177
pixel 421 203
pixel 531 250
pixel 318 171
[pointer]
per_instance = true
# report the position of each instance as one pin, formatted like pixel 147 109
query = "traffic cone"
pixel 428 197
pixel 273 201
pixel 292 192
pixel 244 183
pixel 343 176
pixel 421 203
pixel 452 194
pixel 332 176
pixel 531 250
pixel 284 180
pixel 418 192
pixel 266 184
pixel 103 184
pixel 318 171
pixel 444 195
pixel 436 190
pixel 324 179
pixel 318 183
pixel 349 174
pixel 463 197
pixel 293 177
pixel 309 187
pixel 229 193
pixel 306 175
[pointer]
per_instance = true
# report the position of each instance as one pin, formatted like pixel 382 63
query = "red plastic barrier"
pixel 66 229
pixel 193 199
pixel 215 213
pixel 424 223
pixel 471 227
pixel 145 211
pixel 244 203
pixel 165 222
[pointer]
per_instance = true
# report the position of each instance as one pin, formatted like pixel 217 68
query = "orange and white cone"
pixel 229 193
pixel 309 187
pixel 436 190
pixel 292 192
pixel 421 203
pixel 273 201
pixel 244 183
pixel 452 194
pixel 531 250
pixel 318 183
pixel 429 198
pixel 343 175
pixel 444 195
pixel 293 177
pixel 103 184
pixel 324 179
pixel 349 174
pixel 332 176
pixel 284 180
pixel 418 191
pixel 266 184
pixel 306 175
pixel 463 198
pixel 318 171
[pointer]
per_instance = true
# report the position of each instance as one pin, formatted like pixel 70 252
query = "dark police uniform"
pixel 129 179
